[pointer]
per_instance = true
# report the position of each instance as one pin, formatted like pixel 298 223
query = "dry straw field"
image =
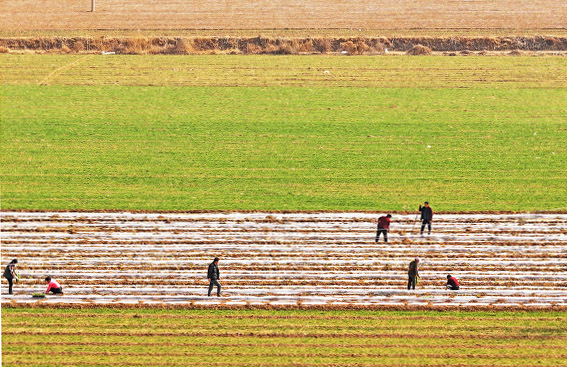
pixel 288 14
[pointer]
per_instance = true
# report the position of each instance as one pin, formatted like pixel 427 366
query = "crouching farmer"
pixel 452 283
pixel 53 286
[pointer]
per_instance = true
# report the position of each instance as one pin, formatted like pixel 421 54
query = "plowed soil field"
pixel 292 259
pixel 178 14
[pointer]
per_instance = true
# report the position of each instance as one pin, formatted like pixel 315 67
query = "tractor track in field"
pixel 271 345
pixel 304 259
pixel 297 354
pixel 283 334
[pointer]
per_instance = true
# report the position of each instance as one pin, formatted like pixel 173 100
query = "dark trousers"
pixel 384 232
pixel 56 290
pixel 451 287
pixel 412 279
pixel 10 284
pixel 423 223
pixel 212 284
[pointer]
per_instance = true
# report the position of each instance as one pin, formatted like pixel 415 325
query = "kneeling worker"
pixel 53 286
pixel 452 283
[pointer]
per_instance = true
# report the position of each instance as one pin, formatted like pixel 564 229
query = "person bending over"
pixel 383 227
pixel 53 286
pixel 452 283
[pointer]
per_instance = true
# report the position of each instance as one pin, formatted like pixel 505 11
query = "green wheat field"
pixel 221 132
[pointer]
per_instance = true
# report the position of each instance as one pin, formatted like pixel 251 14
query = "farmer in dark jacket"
pixel 426 217
pixel 452 283
pixel 10 274
pixel 383 227
pixel 213 275
pixel 413 274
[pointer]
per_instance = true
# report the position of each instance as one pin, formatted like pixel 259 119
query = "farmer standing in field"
pixel 383 227
pixel 426 217
pixel 452 283
pixel 213 275
pixel 10 274
pixel 413 274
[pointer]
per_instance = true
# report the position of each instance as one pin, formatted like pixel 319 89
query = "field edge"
pixel 14 305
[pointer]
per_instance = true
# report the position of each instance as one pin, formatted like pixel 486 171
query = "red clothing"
pixel 52 284
pixel 453 282
pixel 384 222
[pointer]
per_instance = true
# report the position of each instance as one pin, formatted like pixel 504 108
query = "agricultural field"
pixel 142 337
pixel 288 259
pixel 141 140
pixel 223 132
pixel 486 15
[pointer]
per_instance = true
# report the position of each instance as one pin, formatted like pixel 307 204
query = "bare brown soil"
pixel 270 14
pixel 268 45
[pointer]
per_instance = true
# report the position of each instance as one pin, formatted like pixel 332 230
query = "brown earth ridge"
pixel 269 45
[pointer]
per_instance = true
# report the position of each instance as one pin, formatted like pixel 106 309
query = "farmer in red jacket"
pixel 383 227
pixel 452 283
pixel 53 286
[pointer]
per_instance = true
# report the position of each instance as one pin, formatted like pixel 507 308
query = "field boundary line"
pixel 249 364
pixel 277 317
pixel 276 334
pixel 326 307
pixel 117 326
pixel 269 345
pixel 293 354
pixel 66 66
pixel 4 211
